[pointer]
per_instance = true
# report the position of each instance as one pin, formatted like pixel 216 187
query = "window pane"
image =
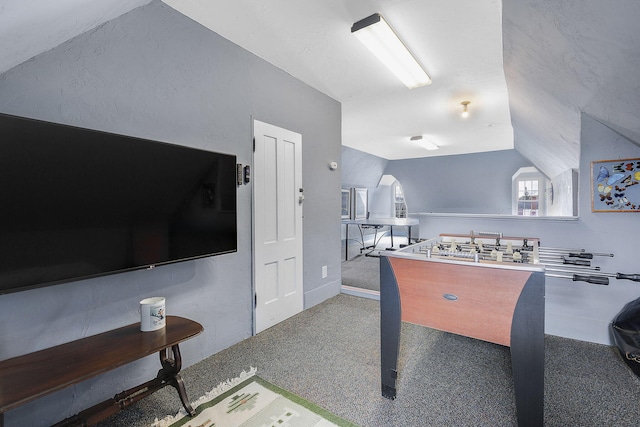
pixel 528 197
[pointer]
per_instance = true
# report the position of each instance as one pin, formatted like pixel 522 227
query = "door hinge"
pixel 255 300
pixel 254 144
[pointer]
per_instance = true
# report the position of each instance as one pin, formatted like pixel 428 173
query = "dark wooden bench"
pixel 28 377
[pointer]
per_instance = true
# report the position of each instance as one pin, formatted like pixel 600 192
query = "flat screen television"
pixel 79 203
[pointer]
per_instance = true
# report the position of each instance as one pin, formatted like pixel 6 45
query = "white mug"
pixel 152 314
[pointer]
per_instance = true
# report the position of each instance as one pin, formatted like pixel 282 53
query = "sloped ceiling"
pixel 565 58
pixel 30 27
pixel 531 78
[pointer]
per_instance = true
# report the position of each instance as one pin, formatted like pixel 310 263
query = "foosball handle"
pixel 576 262
pixel 596 280
pixel 584 255
pixel 634 277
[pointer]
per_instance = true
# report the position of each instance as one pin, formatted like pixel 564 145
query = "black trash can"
pixel 626 334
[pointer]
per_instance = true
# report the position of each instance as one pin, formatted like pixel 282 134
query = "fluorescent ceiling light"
pixel 424 143
pixel 376 34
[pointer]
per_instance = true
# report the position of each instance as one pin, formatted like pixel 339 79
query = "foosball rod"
pixel 544 258
pixel 572 253
pixel 576 253
pixel 622 276
pixel 498 235
pixel 555 269
pixel 579 253
pixel 564 261
pixel 597 280
pixel 583 255
pixel 619 276
pixel 632 277
pixel 555 260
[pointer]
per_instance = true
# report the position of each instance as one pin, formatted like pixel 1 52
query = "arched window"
pixel 400 204
pixel 528 192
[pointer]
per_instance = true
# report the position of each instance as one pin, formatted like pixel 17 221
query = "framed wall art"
pixel 360 203
pixel 614 185
pixel 346 203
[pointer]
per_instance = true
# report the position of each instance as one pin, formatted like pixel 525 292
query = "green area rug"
pixel 250 401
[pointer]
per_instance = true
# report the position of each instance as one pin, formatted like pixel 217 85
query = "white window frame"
pixel 529 174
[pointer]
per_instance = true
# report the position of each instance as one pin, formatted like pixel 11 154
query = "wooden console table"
pixel 28 377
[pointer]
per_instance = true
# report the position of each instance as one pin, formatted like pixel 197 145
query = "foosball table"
pixel 485 286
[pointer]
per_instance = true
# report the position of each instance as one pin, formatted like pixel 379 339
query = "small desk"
pixel 376 223
pixel 28 377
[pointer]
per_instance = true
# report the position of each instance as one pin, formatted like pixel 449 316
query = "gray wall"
pixel 574 309
pixel 360 169
pixel 469 183
pixel 156 74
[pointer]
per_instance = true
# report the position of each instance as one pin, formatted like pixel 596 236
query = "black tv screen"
pixel 79 203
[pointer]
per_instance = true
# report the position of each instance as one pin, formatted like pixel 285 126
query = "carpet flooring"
pixel 362 272
pixel 330 355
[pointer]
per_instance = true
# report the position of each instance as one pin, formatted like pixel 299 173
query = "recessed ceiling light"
pixel 424 143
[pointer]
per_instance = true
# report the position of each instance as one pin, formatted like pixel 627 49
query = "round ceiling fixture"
pixel 465 109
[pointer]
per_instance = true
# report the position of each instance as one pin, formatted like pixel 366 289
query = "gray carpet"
pixel 330 355
pixel 362 272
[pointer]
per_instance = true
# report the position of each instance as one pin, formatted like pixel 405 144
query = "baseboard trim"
pixel 321 294
pixel 359 292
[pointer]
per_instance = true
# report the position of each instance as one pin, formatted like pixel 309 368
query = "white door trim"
pixel 277 225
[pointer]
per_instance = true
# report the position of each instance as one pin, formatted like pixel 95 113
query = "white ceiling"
pixel 459 43
pixel 561 58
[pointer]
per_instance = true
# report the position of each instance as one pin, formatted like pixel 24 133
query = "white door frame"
pixel 277 225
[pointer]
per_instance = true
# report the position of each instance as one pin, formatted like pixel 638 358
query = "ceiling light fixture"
pixel 465 109
pixel 376 34
pixel 424 143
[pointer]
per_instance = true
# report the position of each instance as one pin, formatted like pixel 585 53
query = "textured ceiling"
pixel 459 43
pixel 562 58
pixel 565 58
pixel 30 27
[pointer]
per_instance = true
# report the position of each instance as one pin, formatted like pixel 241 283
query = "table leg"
pixel 391 230
pixel 390 323
pixel 527 352
pixel 346 242
pixel 170 373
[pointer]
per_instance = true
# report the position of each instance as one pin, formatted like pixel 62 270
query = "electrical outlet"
pixel 324 272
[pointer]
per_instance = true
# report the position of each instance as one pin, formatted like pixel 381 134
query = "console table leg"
pixel 178 384
pixel 170 372
pixel 171 365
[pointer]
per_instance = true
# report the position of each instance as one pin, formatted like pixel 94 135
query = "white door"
pixel 277 224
